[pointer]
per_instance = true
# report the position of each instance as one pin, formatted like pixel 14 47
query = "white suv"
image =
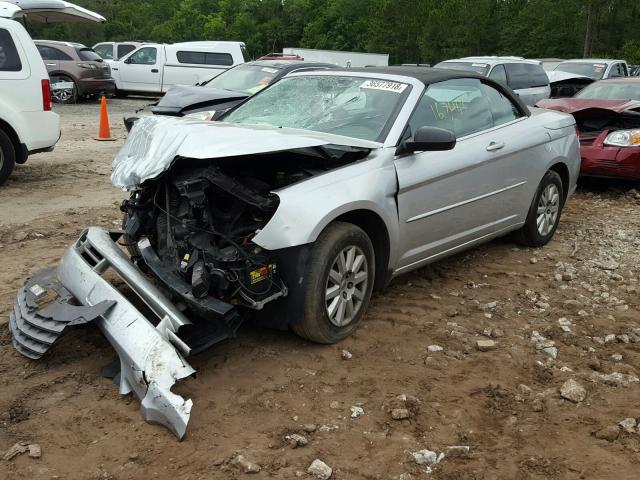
pixel 526 78
pixel 27 124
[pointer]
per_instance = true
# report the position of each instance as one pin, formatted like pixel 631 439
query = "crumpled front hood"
pixel 156 141
pixel 181 96
pixel 573 105
pixel 560 76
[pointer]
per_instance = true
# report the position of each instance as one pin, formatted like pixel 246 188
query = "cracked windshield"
pixel 351 106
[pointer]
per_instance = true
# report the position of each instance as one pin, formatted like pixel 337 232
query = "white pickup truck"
pixel 154 68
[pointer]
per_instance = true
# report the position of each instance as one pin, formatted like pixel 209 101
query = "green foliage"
pixel 411 31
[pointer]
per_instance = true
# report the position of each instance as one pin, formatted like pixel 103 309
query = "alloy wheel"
pixel 346 286
pixel 548 209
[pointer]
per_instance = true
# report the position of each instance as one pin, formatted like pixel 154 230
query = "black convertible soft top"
pixel 428 75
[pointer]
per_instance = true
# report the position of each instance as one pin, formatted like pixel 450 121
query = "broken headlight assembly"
pixel 623 138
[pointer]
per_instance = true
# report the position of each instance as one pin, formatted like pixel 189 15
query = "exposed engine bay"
pixel 200 219
pixel 591 122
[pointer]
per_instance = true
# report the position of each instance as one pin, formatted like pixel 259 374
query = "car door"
pixel 141 71
pixel 50 57
pixel 449 199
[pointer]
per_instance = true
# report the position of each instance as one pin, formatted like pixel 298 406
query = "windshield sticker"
pixel 483 65
pixel 385 85
pixel 269 70
pixel 599 65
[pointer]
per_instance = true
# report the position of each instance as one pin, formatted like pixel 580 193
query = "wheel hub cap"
pixel 346 286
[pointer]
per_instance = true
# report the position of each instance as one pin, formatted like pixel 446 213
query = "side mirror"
pixel 429 139
pixel 127 60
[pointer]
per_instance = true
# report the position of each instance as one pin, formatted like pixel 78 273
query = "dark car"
pixel 75 70
pixel 229 88
pixel 607 115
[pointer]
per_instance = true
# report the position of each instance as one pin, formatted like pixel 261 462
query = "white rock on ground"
pixel 296 440
pixel 485 345
pixel 34 450
pixel 246 465
pixel 17 449
pixel 628 424
pixel 618 379
pixel 573 391
pixel 400 413
pixel 434 348
pixel 356 411
pixel 320 470
pixel 425 457
pixel 346 355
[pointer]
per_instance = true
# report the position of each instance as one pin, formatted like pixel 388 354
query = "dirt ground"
pixel 251 392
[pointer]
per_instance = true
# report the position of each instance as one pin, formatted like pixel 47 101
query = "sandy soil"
pixel 253 391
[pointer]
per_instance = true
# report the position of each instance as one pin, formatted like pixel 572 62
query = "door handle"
pixel 493 146
pixel 154 70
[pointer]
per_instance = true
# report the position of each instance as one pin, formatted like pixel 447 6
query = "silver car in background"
pixel 294 207
pixel 525 77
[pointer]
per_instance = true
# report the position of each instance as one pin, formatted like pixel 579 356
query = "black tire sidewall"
pixel 8 157
pixel 530 230
pixel 337 237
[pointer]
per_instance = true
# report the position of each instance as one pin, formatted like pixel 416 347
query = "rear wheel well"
pixel 376 230
pixel 562 170
pixel 21 154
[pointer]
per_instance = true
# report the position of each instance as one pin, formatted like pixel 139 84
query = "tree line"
pixel 410 31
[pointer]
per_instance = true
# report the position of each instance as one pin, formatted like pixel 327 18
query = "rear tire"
pixel 544 213
pixel 7 157
pixel 65 96
pixel 340 281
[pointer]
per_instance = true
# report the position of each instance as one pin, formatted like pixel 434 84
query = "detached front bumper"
pixel 151 357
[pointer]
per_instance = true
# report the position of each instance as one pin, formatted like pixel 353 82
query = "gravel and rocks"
pixel 248 389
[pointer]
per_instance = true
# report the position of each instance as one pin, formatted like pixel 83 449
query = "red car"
pixel 607 115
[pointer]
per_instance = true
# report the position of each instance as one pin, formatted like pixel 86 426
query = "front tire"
pixel 7 157
pixel 341 278
pixel 544 214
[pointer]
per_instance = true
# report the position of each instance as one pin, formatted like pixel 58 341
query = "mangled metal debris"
pixel 150 356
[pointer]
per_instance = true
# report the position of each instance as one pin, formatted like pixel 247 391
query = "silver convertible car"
pixel 292 209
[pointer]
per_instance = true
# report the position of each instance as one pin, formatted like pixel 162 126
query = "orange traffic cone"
pixel 104 133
